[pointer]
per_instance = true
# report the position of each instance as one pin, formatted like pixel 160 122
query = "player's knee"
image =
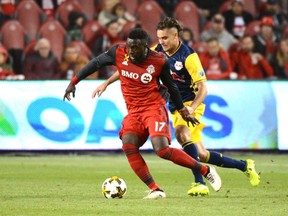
pixel 129 148
pixel 164 153
pixel 182 134
pixel 203 154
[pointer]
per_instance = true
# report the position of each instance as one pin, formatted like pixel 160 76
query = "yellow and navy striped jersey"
pixel 186 70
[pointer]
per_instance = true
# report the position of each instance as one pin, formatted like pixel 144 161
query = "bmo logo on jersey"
pixel 130 75
pixel 145 78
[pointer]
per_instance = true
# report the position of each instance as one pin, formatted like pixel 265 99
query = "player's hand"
pixel 190 110
pixel 70 89
pixel 184 112
pixel 99 90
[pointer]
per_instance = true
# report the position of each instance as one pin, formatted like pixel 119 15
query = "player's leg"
pixel 131 144
pixel 156 120
pixel 177 156
pixel 218 159
pixel 183 135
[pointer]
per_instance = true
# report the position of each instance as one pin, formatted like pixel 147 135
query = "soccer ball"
pixel 114 187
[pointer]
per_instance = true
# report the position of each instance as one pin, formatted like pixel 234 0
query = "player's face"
pixel 169 40
pixel 136 50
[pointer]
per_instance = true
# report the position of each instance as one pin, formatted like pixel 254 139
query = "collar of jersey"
pixel 175 50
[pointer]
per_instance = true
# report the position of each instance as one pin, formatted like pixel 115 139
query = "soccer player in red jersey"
pixel 141 70
pixel 189 76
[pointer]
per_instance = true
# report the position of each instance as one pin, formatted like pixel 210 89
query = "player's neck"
pixel 174 50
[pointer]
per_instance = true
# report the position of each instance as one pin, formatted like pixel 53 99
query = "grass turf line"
pixel 71 185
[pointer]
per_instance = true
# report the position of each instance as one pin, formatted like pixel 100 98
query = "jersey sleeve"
pixel 173 90
pixel 194 68
pixel 104 59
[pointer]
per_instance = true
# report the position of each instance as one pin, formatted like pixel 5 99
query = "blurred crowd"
pixel 53 39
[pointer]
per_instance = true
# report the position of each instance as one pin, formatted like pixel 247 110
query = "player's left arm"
pixel 173 90
pixel 196 71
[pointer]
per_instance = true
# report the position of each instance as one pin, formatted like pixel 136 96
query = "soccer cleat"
pixel 198 189
pixel 251 173
pixel 213 178
pixel 155 194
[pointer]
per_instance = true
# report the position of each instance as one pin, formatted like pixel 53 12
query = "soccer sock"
pixel 179 157
pixel 190 148
pixel 138 165
pixel 223 161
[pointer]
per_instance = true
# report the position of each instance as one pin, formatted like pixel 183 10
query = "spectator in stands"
pixel 107 39
pixel 218 31
pixel 5 68
pixel 280 60
pixel 208 9
pixel 123 16
pixel 187 37
pixel 215 61
pixel 249 64
pixel 103 42
pixel 72 62
pixel 280 19
pixel 236 18
pixel 106 15
pixel 42 64
pixel 265 42
pixel 76 22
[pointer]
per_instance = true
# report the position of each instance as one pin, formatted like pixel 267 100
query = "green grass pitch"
pixel 71 185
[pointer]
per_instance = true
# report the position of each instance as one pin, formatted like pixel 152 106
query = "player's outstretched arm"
pixel 104 59
pixel 70 89
pixel 100 89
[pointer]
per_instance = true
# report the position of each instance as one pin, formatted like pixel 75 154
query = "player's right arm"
pixel 100 89
pixel 196 71
pixel 104 59
pixel 175 95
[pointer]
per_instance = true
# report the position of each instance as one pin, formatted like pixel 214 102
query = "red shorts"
pixel 153 121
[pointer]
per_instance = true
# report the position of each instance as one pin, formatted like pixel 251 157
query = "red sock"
pixel 138 165
pixel 179 157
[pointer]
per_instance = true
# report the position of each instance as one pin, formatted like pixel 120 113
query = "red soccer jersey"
pixel 140 83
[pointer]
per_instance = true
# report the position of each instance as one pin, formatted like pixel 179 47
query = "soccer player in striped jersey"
pixel 190 78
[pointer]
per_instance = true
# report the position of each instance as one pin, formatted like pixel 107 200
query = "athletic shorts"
pixel 151 121
pixel 196 130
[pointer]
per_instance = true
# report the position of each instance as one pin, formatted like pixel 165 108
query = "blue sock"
pixel 191 150
pixel 223 161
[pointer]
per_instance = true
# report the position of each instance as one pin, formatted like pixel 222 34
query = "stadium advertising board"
pixel 239 115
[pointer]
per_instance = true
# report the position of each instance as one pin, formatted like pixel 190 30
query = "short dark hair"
pixel 138 33
pixel 107 25
pixel 211 39
pixel 169 22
